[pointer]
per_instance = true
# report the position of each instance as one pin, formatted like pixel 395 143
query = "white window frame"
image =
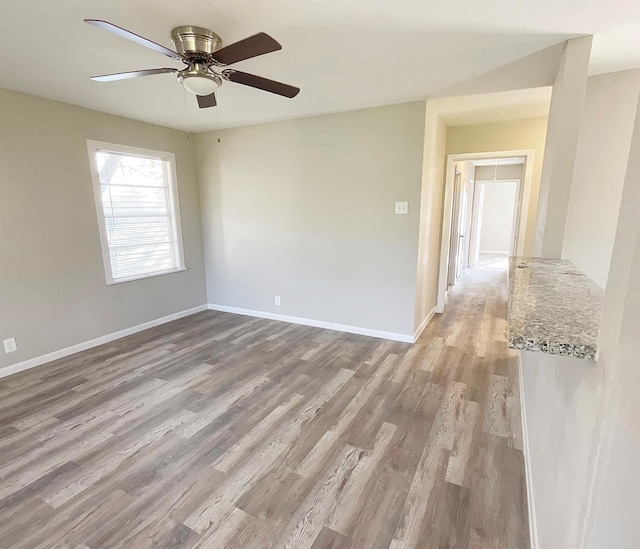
pixel 93 148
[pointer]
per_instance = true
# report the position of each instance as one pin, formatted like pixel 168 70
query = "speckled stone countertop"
pixel 553 308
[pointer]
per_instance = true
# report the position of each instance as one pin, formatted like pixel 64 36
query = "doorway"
pixel 461 220
pixel 495 217
pixel 485 212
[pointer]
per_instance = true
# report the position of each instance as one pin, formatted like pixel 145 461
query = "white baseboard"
pixel 406 338
pixel 533 525
pixel 422 326
pixel 493 252
pixel 61 353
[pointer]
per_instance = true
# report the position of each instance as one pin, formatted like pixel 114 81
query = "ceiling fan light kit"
pixel 198 80
pixel 201 51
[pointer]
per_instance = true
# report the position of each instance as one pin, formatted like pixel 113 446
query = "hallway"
pixel 480 375
pixel 226 431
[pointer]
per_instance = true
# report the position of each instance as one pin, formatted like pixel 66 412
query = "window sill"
pixel 144 277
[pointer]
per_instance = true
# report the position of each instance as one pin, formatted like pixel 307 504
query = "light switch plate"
pixel 402 208
pixel 10 345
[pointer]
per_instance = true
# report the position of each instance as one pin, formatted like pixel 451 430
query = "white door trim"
pixel 525 190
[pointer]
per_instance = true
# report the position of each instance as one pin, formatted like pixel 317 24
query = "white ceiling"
pixel 345 54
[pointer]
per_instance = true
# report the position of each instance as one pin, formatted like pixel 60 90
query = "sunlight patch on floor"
pixel 492 262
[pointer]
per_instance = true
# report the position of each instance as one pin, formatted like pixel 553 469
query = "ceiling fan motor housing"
pixel 196 44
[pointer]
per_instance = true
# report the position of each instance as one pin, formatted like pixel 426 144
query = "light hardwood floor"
pixel 224 431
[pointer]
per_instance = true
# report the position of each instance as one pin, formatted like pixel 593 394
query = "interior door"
pixel 476 222
pixel 462 229
pixel 454 245
pixel 516 218
pixel 469 189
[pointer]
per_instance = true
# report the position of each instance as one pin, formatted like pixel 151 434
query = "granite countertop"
pixel 553 308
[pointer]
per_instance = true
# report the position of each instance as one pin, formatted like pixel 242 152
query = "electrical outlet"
pixel 278 300
pixel 10 345
pixel 402 208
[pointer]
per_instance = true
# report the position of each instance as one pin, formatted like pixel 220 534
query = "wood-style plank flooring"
pixel 225 431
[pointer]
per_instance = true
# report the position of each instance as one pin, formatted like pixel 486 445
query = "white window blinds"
pixel 136 202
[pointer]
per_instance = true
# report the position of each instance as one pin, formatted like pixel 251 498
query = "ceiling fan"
pixel 200 49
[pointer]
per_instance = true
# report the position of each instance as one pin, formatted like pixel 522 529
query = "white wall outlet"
pixel 278 300
pixel 10 345
pixel 402 208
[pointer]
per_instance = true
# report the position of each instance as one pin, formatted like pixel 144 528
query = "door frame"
pixel 523 209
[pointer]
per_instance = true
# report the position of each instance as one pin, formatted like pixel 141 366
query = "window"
pixel 138 214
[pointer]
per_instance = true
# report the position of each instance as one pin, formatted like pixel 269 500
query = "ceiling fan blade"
pixel 205 101
pixel 124 33
pixel 260 83
pixel 131 74
pixel 255 45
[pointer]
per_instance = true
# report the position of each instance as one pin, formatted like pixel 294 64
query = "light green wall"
pixel 304 209
pixel 52 284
